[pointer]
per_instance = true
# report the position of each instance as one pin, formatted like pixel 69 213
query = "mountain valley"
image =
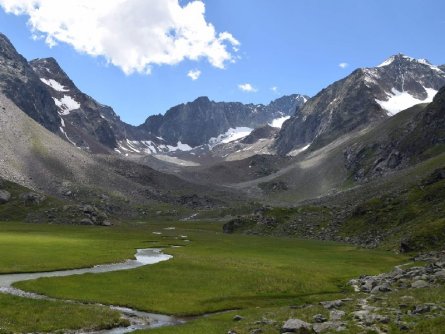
pixel 267 210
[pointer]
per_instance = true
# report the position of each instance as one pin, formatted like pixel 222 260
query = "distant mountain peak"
pixel 401 59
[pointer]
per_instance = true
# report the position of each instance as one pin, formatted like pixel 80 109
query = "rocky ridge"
pixel 366 96
pixel 21 85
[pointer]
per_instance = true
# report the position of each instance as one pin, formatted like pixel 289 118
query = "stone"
pixel 420 309
pixel 319 318
pixel 237 318
pixel 5 196
pixel 297 326
pixel 419 284
pixel 331 304
pixel 440 274
pixel 86 221
pixel 381 288
pixel 32 198
pixel 256 331
pixel 331 326
pixel 106 223
pixel 336 315
pixel 369 318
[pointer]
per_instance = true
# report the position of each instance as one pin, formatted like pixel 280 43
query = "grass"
pixel 414 216
pixel 34 247
pixel 21 315
pixel 212 272
pixel 219 272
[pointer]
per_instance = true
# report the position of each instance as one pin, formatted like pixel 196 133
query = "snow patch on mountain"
pixel 230 135
pixel 298 150
pixel 54 85
pixel 278 122
pixel 179 147
pixel 398 101
pixel 66 104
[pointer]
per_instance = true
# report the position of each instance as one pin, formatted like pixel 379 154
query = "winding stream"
pixel 138 319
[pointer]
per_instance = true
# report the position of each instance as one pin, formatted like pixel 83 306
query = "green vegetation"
pixel 414 216
pixel 219 272
pixel 22 315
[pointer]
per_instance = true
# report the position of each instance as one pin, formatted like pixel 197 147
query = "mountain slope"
pixel 20 84
pixel 365 97
pixel 86 123
pixel 417 136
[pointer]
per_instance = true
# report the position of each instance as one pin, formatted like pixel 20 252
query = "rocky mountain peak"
pixel 365 96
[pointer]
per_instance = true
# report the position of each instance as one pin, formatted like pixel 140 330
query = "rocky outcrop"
pixel 21 85
pixel 264 132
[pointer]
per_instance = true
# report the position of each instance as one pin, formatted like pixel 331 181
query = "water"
pixel 139 320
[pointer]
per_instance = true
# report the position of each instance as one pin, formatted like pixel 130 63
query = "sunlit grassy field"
pixel 211 272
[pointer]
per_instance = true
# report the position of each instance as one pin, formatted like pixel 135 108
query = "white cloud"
pixel 194 74
pixel 247 87
pixel 343 65
pixel 274 89
pixel 131 34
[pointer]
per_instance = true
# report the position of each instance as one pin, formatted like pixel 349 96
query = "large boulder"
pixel 297 326
pixel 4 196
pixel 32 198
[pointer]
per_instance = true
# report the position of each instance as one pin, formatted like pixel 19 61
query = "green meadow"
pixel 211 272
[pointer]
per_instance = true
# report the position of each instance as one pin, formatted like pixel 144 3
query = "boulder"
pixel 440 274
pixel 332 304
pixel 419 284
pixel 32 198
pixel 381 288
pixel 330 326
pixel 319 318
pixel 297 326
pixel 4 196
pixel 336 315
pixel 86 221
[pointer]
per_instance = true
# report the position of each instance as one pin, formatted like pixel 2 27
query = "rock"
pixel 106 223
pixel 368 284
pixel 232 332
pixel 329 326
pixel 237 318
pixel 256 331
pixel 86 221
pixel 331 304
pixel 420 309
pixel 297 326
pixel 32 198
pixel 369 318
pixel 440 274
pixel 336 315
pixel 4 196
pixel 319 318
pixel 381 288
pixel 419 284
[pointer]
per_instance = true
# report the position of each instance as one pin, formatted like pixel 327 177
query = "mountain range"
pixel 361 137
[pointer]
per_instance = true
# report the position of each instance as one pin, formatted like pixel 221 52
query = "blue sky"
pixel 286 46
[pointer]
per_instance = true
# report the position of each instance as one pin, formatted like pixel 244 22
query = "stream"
pixel 138 319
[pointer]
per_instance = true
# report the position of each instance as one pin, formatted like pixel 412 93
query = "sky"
pixel 143 57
